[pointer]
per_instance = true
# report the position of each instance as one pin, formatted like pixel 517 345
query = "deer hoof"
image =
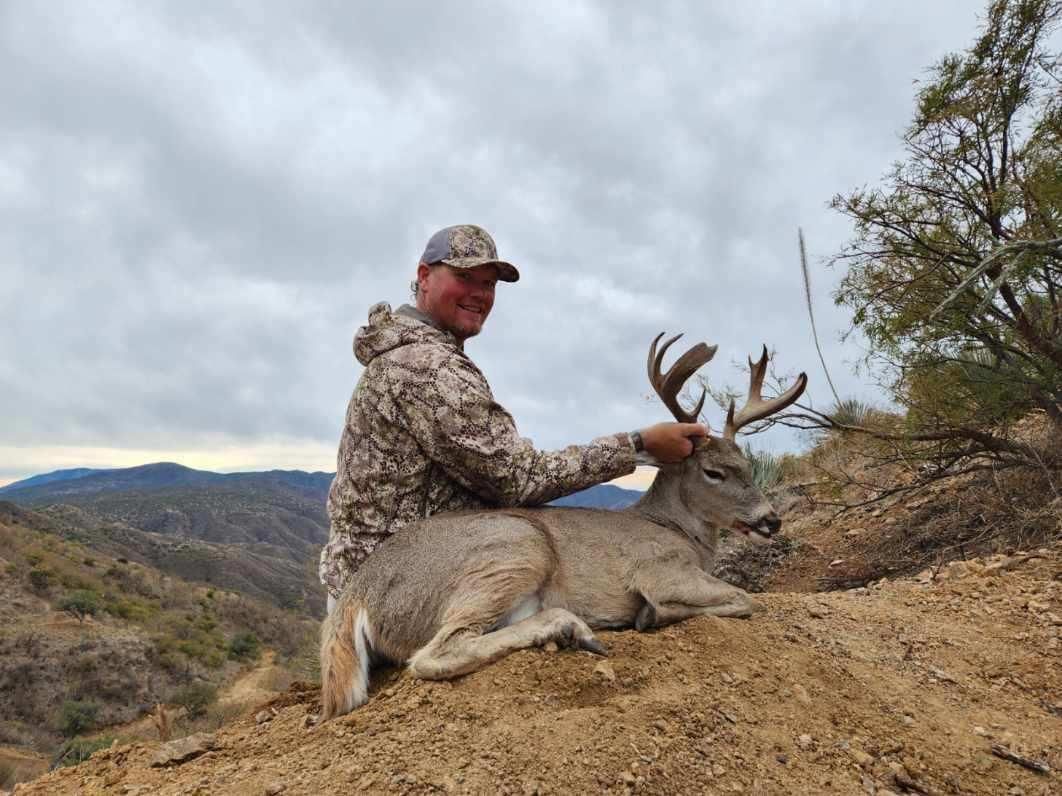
pixel 591 644
pixel 646 618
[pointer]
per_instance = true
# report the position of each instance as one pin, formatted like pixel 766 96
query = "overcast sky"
pixel 200 200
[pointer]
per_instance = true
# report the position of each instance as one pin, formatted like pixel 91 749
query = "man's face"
pixel 458 299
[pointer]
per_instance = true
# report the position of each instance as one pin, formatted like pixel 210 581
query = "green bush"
pixel 78 750
pixel 80 603
pixel 129 608
pixel 40 580
pixel 244 646
pixel 76 717
pixel 195 698
pixel 208 654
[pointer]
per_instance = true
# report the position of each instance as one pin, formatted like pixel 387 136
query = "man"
pixel 423 433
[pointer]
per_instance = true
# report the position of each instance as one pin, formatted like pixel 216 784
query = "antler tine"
pixel 755 407
pixel 668 385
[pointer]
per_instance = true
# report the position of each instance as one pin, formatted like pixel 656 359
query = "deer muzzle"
pixel 764 528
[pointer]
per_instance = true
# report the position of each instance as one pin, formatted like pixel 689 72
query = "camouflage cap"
pixel 467 246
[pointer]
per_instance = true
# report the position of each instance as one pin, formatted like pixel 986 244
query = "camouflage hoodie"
pixel 423 434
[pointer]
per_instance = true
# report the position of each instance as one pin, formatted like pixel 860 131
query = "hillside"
pixel 256 533
pixel 140 638
pixel 902 687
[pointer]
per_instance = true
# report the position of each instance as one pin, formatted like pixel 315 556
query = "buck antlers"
pixel 667 386
pixel 755 407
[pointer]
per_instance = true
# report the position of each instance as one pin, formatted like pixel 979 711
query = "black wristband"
pixel 639 443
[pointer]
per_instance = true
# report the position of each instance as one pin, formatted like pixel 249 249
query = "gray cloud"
pixel 200 202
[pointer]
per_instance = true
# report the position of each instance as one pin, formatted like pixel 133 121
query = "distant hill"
pixel 603 496
pixel 63 484
pixel 45 478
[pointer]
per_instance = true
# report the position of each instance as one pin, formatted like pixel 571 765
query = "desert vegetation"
pixel 132 637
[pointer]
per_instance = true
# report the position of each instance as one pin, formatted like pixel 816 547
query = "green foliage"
pixel 766 468
pixel 195 698
pixel 80 603
pixel 78 750
pixel 955 267
pixel 8 775
pixel 244 646
pixel 40 580
pixel 130 608
pixel 76 717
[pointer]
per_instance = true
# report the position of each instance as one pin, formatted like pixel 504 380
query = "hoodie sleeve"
pixel 453 416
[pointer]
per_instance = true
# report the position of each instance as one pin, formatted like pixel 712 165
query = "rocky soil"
pixel 903 687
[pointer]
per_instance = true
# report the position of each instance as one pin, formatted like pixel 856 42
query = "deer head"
pixel 715 483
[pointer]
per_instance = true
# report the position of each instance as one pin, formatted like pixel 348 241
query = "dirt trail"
pixel 255 685
pixel 903 687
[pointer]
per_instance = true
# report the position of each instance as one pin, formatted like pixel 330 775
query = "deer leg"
pixel 672 595
pixel 455 651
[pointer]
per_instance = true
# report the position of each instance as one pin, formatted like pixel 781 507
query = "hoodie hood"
pixel 387 330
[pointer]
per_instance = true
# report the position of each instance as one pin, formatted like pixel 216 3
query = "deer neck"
pixel 663 504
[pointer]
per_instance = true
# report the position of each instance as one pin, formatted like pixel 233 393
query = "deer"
pixel 457 591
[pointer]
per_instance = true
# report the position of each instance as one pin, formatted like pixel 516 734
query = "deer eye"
pixel 715 476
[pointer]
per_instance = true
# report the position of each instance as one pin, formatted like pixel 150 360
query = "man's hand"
pixel 671 442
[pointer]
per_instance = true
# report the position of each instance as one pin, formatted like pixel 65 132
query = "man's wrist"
pixel 641 456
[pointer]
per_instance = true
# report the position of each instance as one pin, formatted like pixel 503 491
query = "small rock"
pixel 628 777
pixel 801 695
pixel 836 562
pixel 856 532
pixel 862 759
pixel 783 759
pixel 818 611
pixel 184 749
pixel 605 671
pixel 982 732
pixel 805 741
pixel 661 726
pixel 273 788
pixel 263 716
pixel 550 646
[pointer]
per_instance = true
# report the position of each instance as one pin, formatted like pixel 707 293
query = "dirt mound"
pixel 904 686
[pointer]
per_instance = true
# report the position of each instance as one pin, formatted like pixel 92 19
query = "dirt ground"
pixel 901 687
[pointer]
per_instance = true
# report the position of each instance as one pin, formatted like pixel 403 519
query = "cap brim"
pixel 506 271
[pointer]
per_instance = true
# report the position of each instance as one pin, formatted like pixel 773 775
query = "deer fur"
pixel 458 591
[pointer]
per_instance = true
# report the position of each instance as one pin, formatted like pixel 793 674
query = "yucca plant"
pixel 850 412
pixel 766 468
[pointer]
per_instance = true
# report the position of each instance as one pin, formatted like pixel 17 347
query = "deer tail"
pixel 346 647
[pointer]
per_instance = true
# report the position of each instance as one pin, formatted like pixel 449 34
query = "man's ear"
pixel 423 269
